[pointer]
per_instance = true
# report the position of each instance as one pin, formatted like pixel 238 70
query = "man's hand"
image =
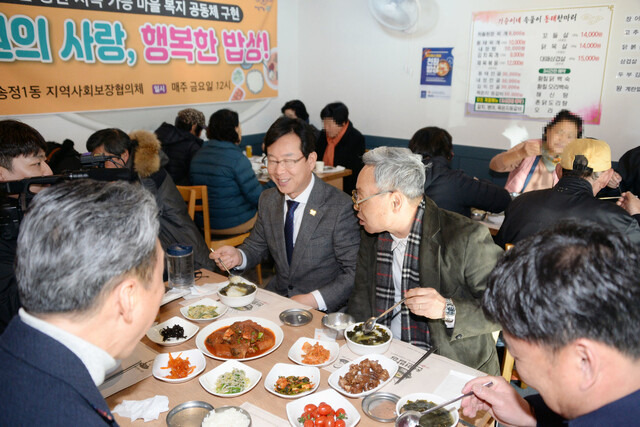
pixel 615 180
pixel 229 255
pixel 530 148
pixel 501 400
pixel 306 299
pixel 425 302
pixel 629 203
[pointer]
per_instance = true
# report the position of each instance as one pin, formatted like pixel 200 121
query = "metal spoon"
pixel 412 418
pixel 222 262
pixel 143 365
pixel 371 322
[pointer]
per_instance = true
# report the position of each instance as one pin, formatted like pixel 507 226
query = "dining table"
pixel 436 374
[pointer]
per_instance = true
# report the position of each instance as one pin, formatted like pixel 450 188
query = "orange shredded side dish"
pixel 180 368
pixel 314 354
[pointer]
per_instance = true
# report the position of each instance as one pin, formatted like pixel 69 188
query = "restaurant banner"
pixel 81 55
pixel 535 63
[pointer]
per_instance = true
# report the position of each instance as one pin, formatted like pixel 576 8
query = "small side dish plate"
pixel 208 380
pixel 189 331
pixel 295 408
pixel 286 370
pixel 385 362
pixel 161 363
pixel 219 307
pixel 381 406
pixel 295 352
pixel 296 317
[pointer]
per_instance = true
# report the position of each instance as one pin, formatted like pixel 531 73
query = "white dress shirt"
pixel 97 361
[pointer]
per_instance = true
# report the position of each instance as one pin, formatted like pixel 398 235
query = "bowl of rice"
pixel 226 416
pixel 238 293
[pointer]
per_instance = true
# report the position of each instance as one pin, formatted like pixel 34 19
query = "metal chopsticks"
pixel 424 356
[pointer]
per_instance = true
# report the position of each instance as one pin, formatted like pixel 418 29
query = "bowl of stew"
pixel 377 341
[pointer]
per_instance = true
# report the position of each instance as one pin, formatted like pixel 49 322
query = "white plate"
pixel 330 169
pixel 195 358
pixel 220 309
pixel 295 352
pixel 286 370
pixel 385 362
pixel 189 331
pixel 202 336
pixel 453 409
pixel 296 408
pixel 208 380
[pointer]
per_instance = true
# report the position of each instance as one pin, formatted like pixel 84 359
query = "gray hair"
pixel 397 169
pixel 79 239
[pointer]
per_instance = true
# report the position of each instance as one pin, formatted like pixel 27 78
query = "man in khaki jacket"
pixel 439 260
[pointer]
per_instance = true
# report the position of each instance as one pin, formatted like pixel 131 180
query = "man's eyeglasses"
pixel 287 163
pixel 357 203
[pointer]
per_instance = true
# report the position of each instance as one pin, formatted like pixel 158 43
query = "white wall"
pixel 334 50
pixel 346 55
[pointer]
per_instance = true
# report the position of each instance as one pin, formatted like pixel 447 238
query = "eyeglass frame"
pixel 275 163
pixel 357 203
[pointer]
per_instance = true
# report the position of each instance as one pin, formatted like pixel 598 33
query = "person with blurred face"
pixel 532 164
pixel 306 225
pixel 89 269
pixel 584 170
pixel 22 155
pixel 437 259
pixel 340 143
pixel 567 301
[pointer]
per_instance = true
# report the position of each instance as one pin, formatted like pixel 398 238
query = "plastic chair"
pixel 189 196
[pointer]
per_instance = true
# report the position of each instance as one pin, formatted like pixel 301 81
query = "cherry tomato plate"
pixel 296 408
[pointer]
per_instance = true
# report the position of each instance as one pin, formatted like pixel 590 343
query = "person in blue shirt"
pixel 232 186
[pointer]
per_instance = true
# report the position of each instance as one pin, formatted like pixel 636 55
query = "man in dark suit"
pixel 89 270
pixel 307 226
pixel 437 259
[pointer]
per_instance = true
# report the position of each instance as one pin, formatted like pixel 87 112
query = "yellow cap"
pixel 596 152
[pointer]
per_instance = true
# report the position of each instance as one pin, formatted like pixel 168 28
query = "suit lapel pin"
pixel 312 212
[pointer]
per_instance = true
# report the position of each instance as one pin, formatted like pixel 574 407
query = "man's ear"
pixel 589 361
pixel 126 298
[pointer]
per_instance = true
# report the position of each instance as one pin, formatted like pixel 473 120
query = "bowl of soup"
pixel 238 293
pixel 375 342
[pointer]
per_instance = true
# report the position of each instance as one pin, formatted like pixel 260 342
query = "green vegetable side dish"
pixel 237 290
pixel 202 312
pixel 232 382
pixel 293 385
pixel 376 337
pixel 438 418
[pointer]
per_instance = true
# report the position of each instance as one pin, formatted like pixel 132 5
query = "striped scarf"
pixel 415 329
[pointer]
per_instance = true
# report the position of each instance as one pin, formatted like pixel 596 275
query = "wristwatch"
pixel 449 313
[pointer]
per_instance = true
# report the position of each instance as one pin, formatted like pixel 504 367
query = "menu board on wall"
pixel 535 63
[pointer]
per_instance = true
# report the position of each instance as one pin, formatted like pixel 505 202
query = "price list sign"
pixel 536 63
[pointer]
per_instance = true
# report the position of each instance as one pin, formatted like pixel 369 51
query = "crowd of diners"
pixel 81 274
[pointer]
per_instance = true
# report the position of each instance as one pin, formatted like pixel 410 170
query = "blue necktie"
pixel 288 228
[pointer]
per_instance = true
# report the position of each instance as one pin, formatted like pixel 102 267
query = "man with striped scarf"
pixel 438 259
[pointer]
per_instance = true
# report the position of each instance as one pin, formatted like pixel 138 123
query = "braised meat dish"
pixel 240 340
pixel 363 376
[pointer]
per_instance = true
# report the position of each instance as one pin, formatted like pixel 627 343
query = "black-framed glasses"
pixel 357 203
pixel 287 163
